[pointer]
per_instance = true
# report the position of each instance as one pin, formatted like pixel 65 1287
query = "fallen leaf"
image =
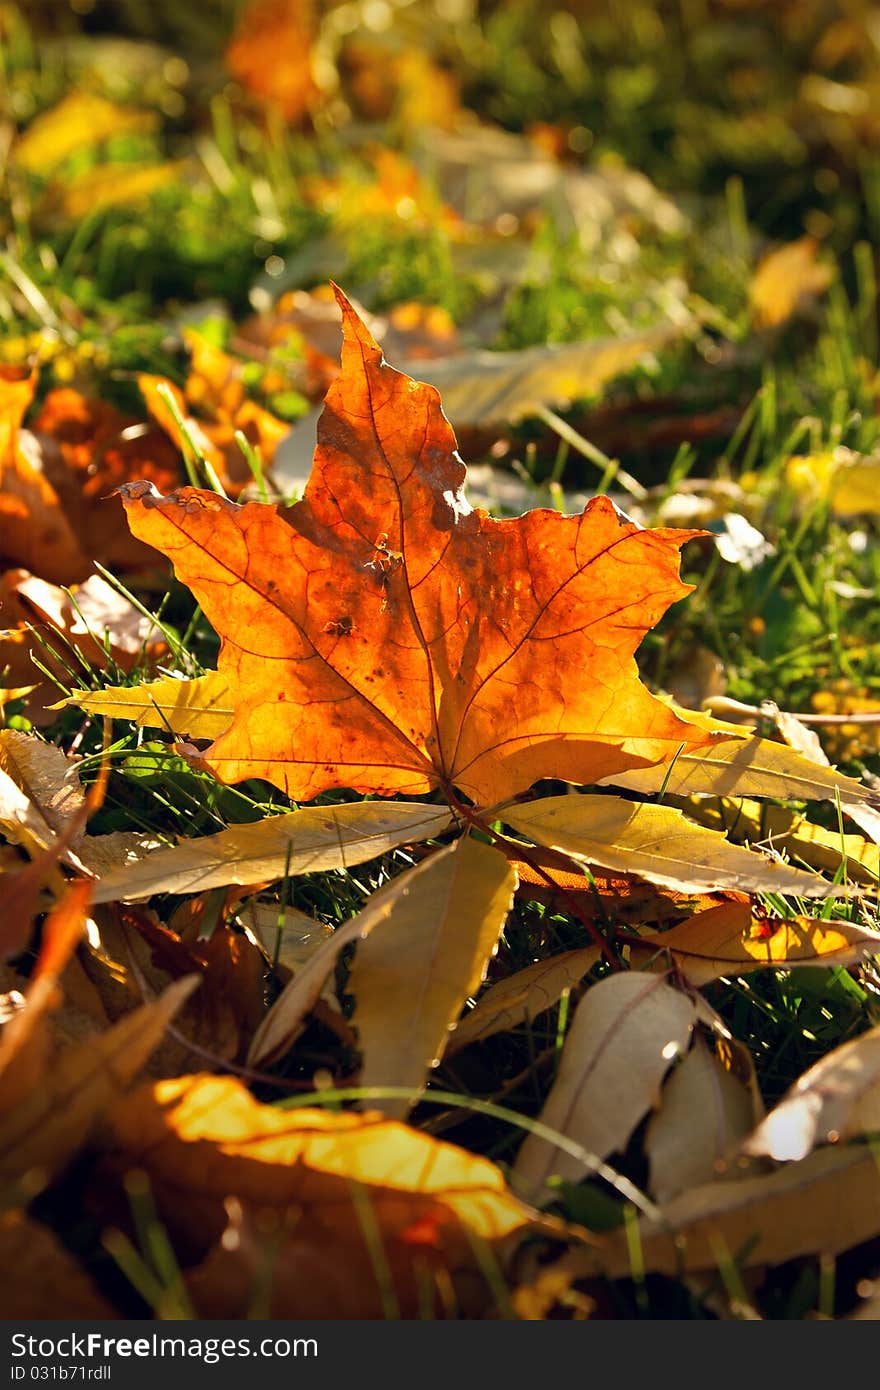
pixel 846 480
pixel 785 279
pixel 486 173
pixel 270 54
pixel 523 996
pixel 20 820
pixel 289 937
pixel 36 533
pixel 481 388
pixel 703 1115
pixel 45 774
pixel 626 1032
pixel 837 1098
pixel 328 1190
pixel 46 1278
pixel 309 841
pixel 824 1204
pixel 395 631
pixel 224 1012
pixel 108 186
pixel 410 978
pixel 790 831
pixel 215 390
pixel 26 1042
pixel 87 449
pixel 198 708
pixel 750 766
pixel 284 1020
pixel 727 940
pixel 60 629
pixel 658 844
pixel 80 120
pixel 45 1131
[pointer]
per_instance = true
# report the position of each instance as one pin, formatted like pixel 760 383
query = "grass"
pixel 101 297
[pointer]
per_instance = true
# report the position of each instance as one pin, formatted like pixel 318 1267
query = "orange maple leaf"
pixel 215 388
pixel 384 636
pixel 34 532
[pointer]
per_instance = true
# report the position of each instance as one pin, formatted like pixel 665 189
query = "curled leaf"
pixel 626 1032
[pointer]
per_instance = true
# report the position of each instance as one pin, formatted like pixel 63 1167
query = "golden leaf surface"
pixel 328 1190
pixel 384 636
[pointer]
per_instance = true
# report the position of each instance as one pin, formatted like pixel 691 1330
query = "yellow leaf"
pixel 80 120
pixel 411 977
pixel 523 996
pixel 704 1113
pixel 626 1032
pixel 48 1128
pixel 825 1204
pixel 744 767
pixel 111 186
pixel 283 1021
pixel 199 708
pixel 658 844
pixel 481 388
pixel 301 842
pixel 837 1098
pixel 849 482
pixel 726 940
pixel 786 278
pixel 287 935
pixel 359 1214
pixel 789 831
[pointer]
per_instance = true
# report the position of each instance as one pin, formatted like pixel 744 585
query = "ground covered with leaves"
pixel 437 890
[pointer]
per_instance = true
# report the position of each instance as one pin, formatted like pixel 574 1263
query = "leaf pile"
pixel 381 638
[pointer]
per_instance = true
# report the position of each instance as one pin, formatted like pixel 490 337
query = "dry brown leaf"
pixel 523 996
pixel 45 774
pixel 703 1115
pixel 46 1280
pixel 791 832
pixel 740 767
pixel 301 842
pixel 61 629
pixel 289 937
pixel 482 389
pixel 658 844
pixel 26 1041
pixel 837 1098
pixel 323 1189
pixel 626 1032
pixel 824 1204
pixel 47 1129
pixel 284 1020
pixel 411 977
